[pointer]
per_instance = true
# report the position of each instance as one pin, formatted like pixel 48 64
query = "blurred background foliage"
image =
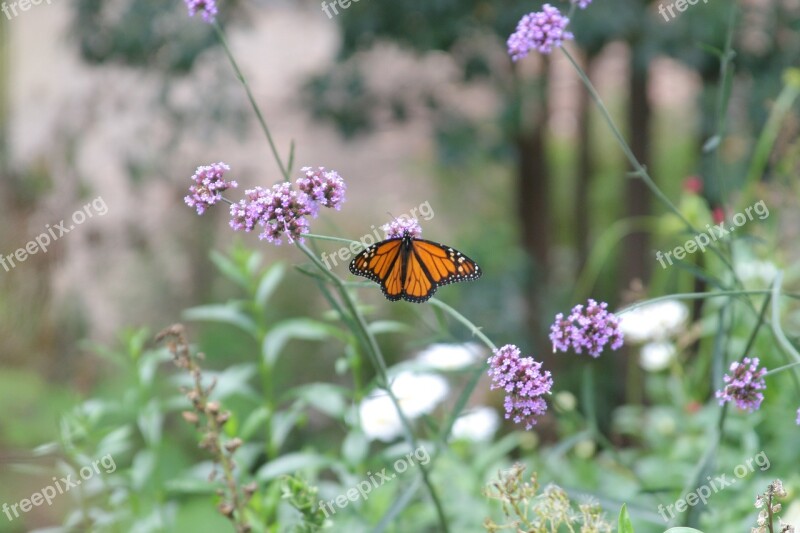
pixel 525 179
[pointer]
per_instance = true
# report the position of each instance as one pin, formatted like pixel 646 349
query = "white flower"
pixel 450 356
pixel 417 394
pixel 379 418
pixel 656 356
pixel 656 321
pixel 479 425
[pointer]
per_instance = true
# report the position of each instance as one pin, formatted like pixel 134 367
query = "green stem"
pixel 475 330
pixel 777 331
pixel 689 296
pixel 380 366
pixel 261 121
pixel 723 97
pixel 639 169
pixel 782 368
pixel 327 238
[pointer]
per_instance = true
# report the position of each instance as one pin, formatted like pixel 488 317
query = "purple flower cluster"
pixel 282 210
pixel 324 187
pixel 588 327
pixel 583 4
pixel 542 31
pixel 524 383
pixel 798 417
pixel 209 184
pixel 206 8
pixel 279 210
pixel 743 385
pixel 400 226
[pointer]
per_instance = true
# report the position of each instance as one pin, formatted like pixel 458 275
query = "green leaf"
pixel 230 270
pixel 624 524
pixel 150 421
pixel 324 397
pixel 269 282
pixel 355 447
pixel 234 380
pixel 290 464
pixel 223 314
pixel 183 486
pixel 281 425
pixel 254 422
pixel 296 328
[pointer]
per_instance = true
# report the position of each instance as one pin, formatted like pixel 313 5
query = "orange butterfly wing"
pixel 431 265
pixel 382 263
pixel 413 269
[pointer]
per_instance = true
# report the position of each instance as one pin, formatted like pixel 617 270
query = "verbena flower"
pixel 588 327
pixel 206 8
pixel 798 417
pixel 541 31
pixel 743 385
pixel 208 186
pixel 583 4
pixel 279 210
pixel 324 187
pixel 524 383
pixel 400 226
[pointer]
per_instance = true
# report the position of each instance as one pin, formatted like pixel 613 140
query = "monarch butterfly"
pixel 412 269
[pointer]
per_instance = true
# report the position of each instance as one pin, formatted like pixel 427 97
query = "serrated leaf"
pixel 269 282
pixel 223 314
pixel 290 464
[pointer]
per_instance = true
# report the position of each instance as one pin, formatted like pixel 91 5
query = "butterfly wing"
pixel 431 265
pixel 383 264
pixel 413 269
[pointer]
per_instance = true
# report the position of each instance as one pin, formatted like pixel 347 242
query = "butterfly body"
pixel 412 269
